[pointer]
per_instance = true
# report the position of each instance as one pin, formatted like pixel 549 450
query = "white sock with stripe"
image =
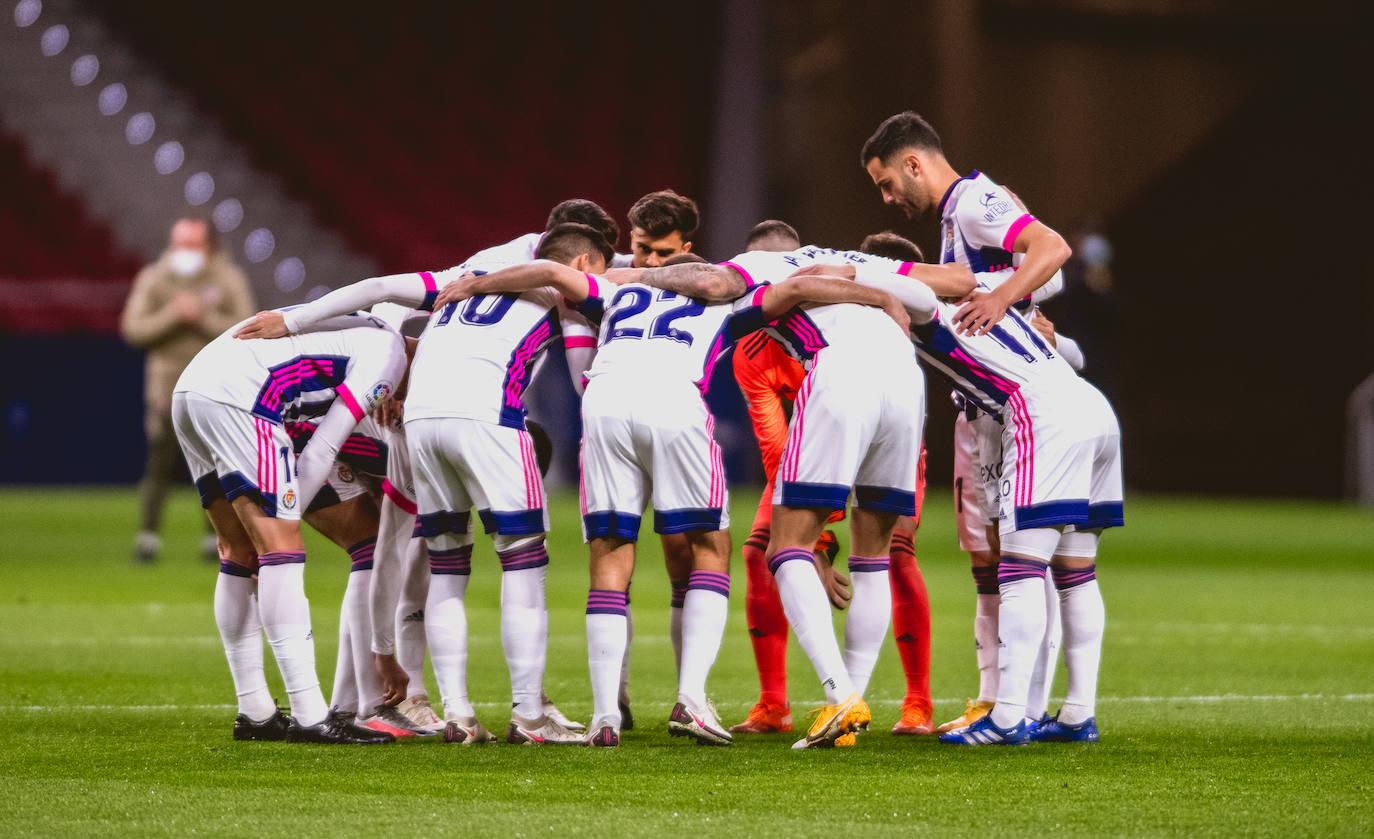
pixel 240 630
pixel 1021 628
pixel 286 620
pixel 705 607
pixel 808 611
pixel 1084 618
pixel 867 619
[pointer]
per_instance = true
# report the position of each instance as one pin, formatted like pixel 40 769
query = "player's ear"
pixel 912 161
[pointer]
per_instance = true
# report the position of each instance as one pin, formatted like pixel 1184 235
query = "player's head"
pixel 906 162
pixel 543 446
pixel 662 224
pixel 576 245
pixel 892 246
pixel 684 258
pixel 772 235
pixel 189 245
pixel 582 211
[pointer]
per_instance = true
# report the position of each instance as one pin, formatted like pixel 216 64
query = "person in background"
pixel 178 304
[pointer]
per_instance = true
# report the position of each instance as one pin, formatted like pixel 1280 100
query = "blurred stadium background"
pixel 1204 157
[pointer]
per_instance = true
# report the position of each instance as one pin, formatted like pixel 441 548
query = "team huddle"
pixel 386 445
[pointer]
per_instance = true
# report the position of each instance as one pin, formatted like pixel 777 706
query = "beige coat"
pixel 150 318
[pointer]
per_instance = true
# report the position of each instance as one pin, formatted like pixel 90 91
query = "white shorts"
pixel 657 447
pixel 856 424
pixel 1061 461
pixel 976 496
pixel 459 464
pixel 231 453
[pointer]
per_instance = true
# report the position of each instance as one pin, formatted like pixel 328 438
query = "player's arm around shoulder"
pixel 822 289
pixel 415 290
pixel 568 281
pixel 698 280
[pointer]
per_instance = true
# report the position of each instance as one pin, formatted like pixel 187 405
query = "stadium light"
pixel 227 215
pixel 54 40
pixel 112 99
pixel 26 12
pixel 84 70
pixel 140 128
pixel 289 274
pixel 200 187
pixel 258 245
pixel 169 157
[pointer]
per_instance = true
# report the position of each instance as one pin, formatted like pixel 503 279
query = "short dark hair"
pixel 771 228
pixel 900 131
pixel 660 213
pixel 684 258
pixel 582 211
pixel 569 240
pixel 892 246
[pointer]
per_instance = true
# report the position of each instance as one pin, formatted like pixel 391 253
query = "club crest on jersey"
pixel 949 245
pixel 345 474
pixel 380 392
pixel 288 500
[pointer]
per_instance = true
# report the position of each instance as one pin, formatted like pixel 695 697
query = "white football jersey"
pixel 991 369
pixel 804 333
pixel 476 357
pixel 356 358
pixel 659 336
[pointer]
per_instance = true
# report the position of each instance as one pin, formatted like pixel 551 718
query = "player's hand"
pixel 394 678
pixel 838 272
pixel 980 313
pixel 896 310
pixel 263 325
pixel 456 291
pixel 622 276
pixel 390 413
pixel 837 587
pixel 1043 325
pixel 186 307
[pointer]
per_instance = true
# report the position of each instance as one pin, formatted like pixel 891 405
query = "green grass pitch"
pixel 1237 698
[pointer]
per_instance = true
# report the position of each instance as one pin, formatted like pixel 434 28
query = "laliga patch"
pixel 380 392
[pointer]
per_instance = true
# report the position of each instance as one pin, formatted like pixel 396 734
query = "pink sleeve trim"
pixel 577 341
pixel 353 407
pixel 1009 240
pixel 398 498
pixel 758 296
pixel 747 279
pixel 905 268
pixel 592 290
pixel 428 279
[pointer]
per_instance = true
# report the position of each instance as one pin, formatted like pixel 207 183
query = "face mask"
pixel 186 261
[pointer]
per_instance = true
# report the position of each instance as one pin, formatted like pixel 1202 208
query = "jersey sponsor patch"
pixel 994 206
pixel 379 393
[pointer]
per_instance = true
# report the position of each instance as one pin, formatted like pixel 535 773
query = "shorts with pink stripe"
pixel 459 464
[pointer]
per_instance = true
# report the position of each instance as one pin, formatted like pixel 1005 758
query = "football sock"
pixel 677 599
pixel 866 620
pixel 910 620
pixel 767 623
pixel 808 611
pixel 606 637
pixel 344 694
pixel 985 630
pixel 623 695
pixel 286 620
pixel 240 630
pixel 1084 617
pixel 525 624
pixel 410 615
pixel 1042 677
pixel 1020 629
pixel 357 612
pixel 446 625
pixel 704 610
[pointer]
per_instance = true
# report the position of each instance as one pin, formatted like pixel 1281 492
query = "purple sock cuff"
pixel 1010 570
pixel 679 595
pixel 533 556
pixel 456 561
pixel 709 581
pixel 606 602
pixel 985 578
pixel 1070 577
pixel 789 555
pixel 361 554
pixel 868 563
pixel 233 569
pixel 281 558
